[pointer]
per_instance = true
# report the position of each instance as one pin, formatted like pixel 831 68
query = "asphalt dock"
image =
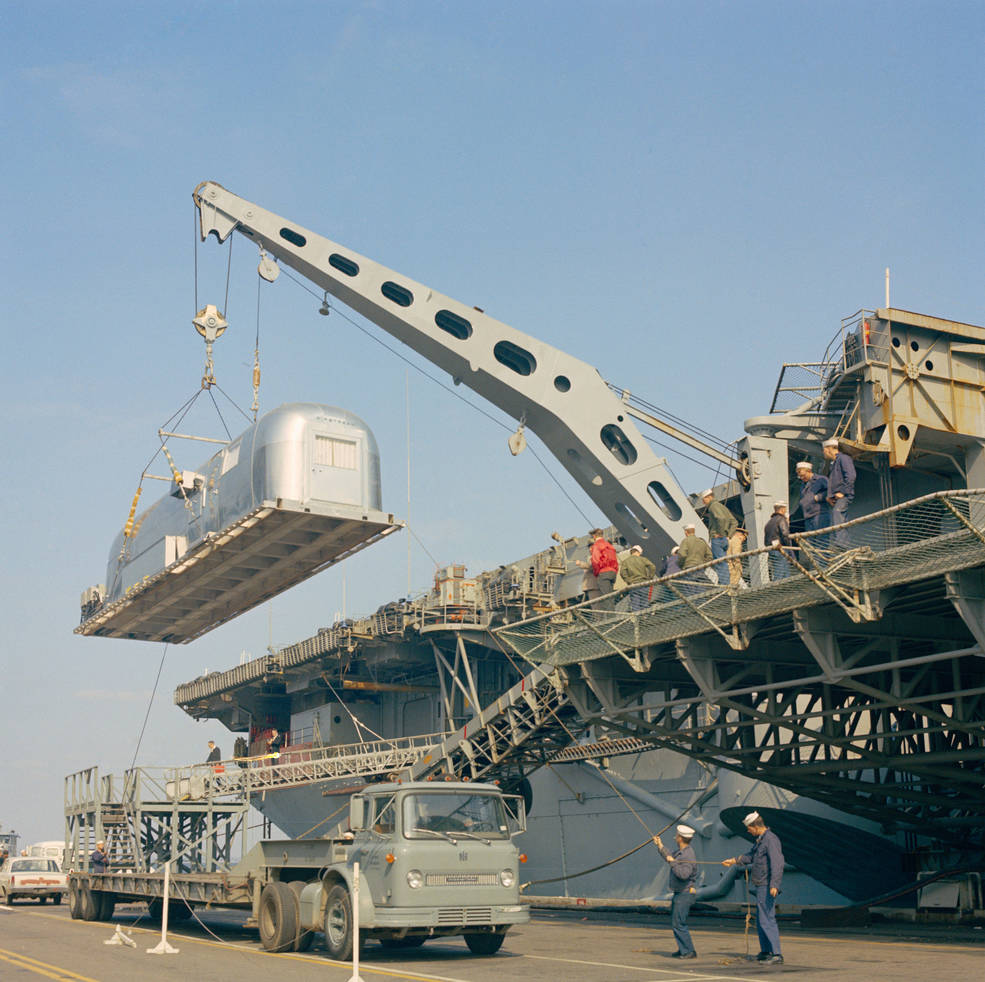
pixel 42 942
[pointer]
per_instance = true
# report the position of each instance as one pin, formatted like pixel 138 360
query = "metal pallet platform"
pixel 274 547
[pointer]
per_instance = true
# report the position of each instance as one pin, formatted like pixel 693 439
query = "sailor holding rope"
pixel 683 873
pixel 766 862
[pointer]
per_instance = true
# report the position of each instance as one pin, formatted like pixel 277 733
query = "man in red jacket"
pixel 604 565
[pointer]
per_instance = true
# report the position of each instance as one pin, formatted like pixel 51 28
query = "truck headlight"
pixel 507 877
pixel 415 879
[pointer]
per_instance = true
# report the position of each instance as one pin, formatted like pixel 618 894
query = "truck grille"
pixel 461 879
pixel 465 915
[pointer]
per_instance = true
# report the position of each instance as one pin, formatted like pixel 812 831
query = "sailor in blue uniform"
pixel 841 487
pixel 683 874
pixel 766 862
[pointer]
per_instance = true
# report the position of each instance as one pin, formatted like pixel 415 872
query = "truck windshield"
pixel 478 815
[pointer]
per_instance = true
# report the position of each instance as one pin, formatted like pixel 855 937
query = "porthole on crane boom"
pixel 295 493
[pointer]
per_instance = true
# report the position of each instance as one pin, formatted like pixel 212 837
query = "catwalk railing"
pixel 845 565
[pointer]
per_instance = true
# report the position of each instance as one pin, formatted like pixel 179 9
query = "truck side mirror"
pixel 357 813
pixel 516 813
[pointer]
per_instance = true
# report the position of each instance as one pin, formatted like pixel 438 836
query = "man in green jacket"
pixel 721 524
pixel 693 552
pixel 636 568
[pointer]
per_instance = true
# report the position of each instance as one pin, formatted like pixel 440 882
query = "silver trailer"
pixel 290 496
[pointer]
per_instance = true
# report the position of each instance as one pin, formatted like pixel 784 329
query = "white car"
pixel 25 876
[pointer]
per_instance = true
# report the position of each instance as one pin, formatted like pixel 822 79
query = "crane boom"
pixel 560 398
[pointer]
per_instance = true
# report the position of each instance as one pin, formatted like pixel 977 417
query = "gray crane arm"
pixel 563 400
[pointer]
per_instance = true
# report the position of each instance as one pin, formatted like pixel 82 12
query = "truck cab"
pixel 436 859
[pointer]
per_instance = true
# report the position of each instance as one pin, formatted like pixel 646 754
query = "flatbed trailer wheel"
pixel 486 943
pixel 74 900
pixel 277 918
pixel 338 923
pixel 89 903
pixel 107 904
pixel 303 938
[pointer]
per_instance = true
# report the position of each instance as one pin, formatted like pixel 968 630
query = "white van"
pixel 51 849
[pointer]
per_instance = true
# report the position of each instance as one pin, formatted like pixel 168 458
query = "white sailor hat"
pixel 689 526
pixel 707 494
pixel 805 465
pixel 637 548
pixel 779 504
pixel 752 818
pixel 685 831
pixel 833 442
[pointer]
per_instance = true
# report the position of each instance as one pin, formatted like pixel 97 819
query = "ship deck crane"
pixel 563 400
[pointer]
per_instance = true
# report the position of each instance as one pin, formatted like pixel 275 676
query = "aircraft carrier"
pixel 842 700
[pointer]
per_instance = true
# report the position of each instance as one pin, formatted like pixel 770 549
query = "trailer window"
pixel 479 815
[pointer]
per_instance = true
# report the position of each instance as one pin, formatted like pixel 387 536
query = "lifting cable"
pixel 131 527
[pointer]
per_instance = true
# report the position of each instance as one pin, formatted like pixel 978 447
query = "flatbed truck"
pixel 436 859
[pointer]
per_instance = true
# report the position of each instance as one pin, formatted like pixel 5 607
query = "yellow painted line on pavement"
pixel 250 948
pixel 41 968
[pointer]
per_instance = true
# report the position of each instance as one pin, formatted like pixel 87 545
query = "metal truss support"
pixel 966 591
pixel 695 655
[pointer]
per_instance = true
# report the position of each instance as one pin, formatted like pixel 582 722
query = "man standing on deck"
pixel 766 862
pixel 99 859
pixel 694 552
pixel 777 534
pixel 636 568
pixel 604 564
pixel 215 754
pixel 841 487
pixel 683 874
pixel 721 524
pixel 813 497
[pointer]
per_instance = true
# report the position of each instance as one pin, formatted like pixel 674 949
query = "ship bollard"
pixel 163 948
pixel 355 977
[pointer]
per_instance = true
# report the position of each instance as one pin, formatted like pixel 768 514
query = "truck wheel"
pixel 5 898
pixel 179 910
pixel 56 898
pixel 155 908
pixel 278 922
pixel 338 923
pixel 42 899
pixel 304 938
pixel 107 904
pixel 485 944
pixel 90 903
pixel 74 900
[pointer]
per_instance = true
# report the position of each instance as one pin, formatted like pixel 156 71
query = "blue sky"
pixel 683 194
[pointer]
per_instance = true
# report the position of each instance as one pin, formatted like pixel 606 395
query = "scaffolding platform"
pixel 267 551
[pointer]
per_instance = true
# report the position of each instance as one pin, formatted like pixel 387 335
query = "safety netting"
pixel 926 537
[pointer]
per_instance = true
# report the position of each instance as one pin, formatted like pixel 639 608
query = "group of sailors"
pixel 824 502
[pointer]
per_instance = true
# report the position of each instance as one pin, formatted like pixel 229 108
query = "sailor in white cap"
pixel 766 873
pixel 841 487
pixel 776 535
pixel 721 524
pixel 813 499
pixel 683 874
